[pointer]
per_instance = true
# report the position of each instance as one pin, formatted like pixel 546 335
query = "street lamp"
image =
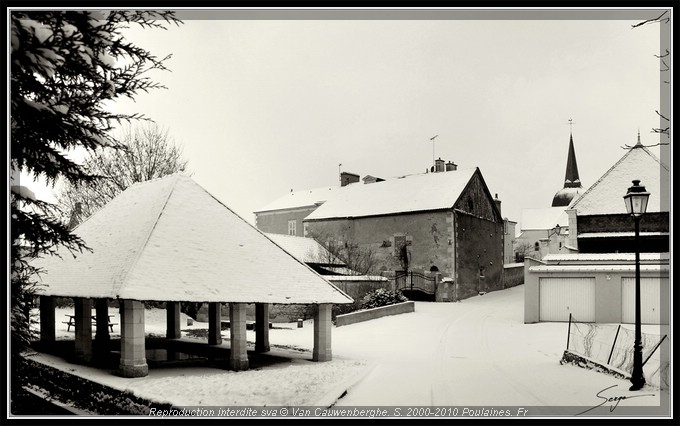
pixel 636 204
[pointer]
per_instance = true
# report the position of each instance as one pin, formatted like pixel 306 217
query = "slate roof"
pixel 170 240
pixel 412 193
pixel 606 195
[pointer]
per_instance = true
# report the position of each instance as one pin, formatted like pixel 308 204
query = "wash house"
pixel 168 240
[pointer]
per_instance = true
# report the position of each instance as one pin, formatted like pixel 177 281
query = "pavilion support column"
pixel 238 359
pixel 262 327
pixel 173 327
pixel 101 337
pixel 83 318
pixel 47 329
pixel 214 323
pixel 322 333
pixel 132 345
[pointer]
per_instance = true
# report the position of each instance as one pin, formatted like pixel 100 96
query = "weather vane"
pixel 432 139
pixel 570 124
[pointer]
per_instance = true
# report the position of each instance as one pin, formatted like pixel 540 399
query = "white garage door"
pixel 561 296
pixel 650 299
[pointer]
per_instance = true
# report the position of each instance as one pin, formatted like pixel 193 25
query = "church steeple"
pixel 572 182
pixel 571 179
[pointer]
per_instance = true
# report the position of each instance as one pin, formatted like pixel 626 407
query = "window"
pixel 305 231
pixel 292 224
pixel 536 246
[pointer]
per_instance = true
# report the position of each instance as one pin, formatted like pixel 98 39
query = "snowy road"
pixel 477 352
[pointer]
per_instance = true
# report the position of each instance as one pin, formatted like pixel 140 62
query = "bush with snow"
pixel 382 297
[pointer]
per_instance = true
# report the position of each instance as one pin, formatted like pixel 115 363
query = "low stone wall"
pixel 513 274
pixel 359 286
pixel 369 314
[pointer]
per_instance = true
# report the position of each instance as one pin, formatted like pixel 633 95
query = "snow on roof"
pixel 307 250
pixel 421 192
pixel 304 198
pixel 545 218
pixel 618 257
pixel 606 195
pixel 355 278
pixel 621 234
pixel 595 268
pixel 170 240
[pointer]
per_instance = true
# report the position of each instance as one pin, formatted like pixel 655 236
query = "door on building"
pixel 650 299
pixel 560 297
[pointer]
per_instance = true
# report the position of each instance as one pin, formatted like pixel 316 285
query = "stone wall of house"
pixel 276 222
pixel 429 238
pixel 479 255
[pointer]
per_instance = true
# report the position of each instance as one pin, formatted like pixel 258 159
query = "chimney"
pixel 498 203
pixel 439 165
pixel 372 179
pixel 451 166
pixel 346 178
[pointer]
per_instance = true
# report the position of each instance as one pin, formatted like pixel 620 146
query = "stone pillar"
pixel 101 337
pixel 262 327
pixel 83 318
pixel 322 333
pixel 173 327
pixel 47 320
pixel 132 345
pixel 214 323
pixel 238 359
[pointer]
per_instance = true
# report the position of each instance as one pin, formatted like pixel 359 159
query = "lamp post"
pixel 636 204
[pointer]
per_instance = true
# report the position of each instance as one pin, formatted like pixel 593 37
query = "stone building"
pixel 445 221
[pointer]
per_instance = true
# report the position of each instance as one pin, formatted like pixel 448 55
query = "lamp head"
pixel 636 199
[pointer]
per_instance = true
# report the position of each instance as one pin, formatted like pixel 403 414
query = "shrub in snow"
pixel 382 297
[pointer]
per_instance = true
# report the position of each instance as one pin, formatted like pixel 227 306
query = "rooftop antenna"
pixel 340 173
pixel 432 139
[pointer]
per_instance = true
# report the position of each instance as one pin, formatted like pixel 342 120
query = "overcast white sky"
pixel 265 106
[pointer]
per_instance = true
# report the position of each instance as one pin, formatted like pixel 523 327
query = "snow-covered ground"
pixel 477 352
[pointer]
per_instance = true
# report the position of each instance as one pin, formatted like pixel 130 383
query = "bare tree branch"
pixel 664 55
pixel 627 147
pixel 147 153
pixel 660 18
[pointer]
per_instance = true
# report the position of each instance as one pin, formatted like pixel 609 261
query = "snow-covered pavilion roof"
pixel 413 193
pixel 606 195
pixel 170 240
pixel 545 218
pixel 307 250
